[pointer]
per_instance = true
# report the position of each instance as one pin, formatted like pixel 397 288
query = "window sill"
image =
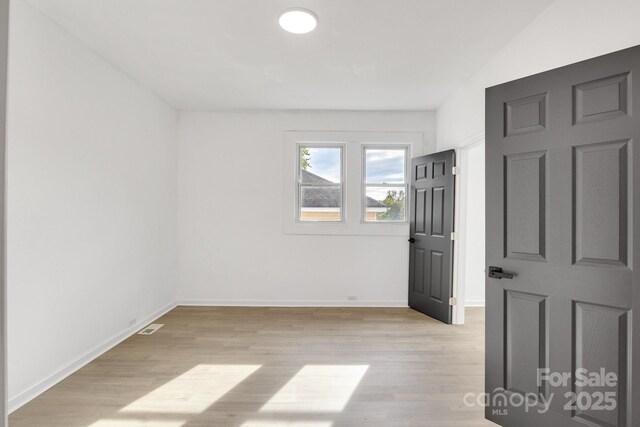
pixel 344 229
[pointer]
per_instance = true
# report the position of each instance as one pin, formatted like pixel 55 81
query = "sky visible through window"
pixel 325 162
pixel 383 166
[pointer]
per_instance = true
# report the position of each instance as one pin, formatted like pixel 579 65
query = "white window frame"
pixel 365 184
pixel 352 163
pixel 343 150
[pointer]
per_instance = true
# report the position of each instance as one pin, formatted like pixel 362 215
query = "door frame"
pixel 4 36
pixel 460 224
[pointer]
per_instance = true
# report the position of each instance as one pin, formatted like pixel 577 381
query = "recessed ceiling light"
pixel 298 21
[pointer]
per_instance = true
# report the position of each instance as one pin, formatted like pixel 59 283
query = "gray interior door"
pixel 562 176
pixel 431 253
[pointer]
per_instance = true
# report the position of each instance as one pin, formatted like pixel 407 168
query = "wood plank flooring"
pixel 264 367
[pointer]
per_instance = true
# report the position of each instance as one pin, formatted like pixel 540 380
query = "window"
pixel 320 183
pixel 385 184
pixel 345 183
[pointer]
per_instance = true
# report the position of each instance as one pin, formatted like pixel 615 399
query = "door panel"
pixel 602 341
pixel 561 181
pixel 600 213
pixel 525 341
pixel 437 211
pixel 431 257
pixel 420 200
pixel 526 115
pixel 418 270
pixel 435 281
pixel 601 99
pixel 525 217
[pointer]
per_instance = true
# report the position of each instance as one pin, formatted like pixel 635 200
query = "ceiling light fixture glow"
pixel 298 21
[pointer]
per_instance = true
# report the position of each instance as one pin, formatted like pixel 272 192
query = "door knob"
pixel 412 240
pixel 497 273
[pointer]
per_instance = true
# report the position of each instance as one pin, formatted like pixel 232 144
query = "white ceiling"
pixel 231 54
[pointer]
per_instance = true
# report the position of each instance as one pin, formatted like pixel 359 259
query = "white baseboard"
pixel 40 387
pixel 474 303
pixel 289 303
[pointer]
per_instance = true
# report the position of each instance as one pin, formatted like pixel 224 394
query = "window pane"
pixel 385 166
pixel 320 165
pixel 385 204
pixel 320 203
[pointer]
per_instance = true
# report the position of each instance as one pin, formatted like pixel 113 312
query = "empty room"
pixel 319 213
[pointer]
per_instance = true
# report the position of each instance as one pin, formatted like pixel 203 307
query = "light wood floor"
pixel 263 367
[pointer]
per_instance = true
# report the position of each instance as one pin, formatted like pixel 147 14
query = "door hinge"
pixel 453 235
pixel 453 301
pixel 455 170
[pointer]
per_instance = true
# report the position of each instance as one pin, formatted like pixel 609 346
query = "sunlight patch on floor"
pixel 317 388
pixel 194 391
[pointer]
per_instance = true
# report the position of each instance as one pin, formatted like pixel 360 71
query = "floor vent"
pixel 151 329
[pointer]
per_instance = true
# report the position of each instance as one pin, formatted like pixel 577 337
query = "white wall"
pixel 566 32
pixel 91 203
pixel 4 33
pixel 231 244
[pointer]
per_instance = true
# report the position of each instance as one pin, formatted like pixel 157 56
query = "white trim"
pixel 290 303
pixel 352 191
pixel 460 221
pixel 460 247
pixel 472 141
pixel 366 185
pixel 43 385
pixel 338 210
pixel 319 210
pixel 475 303
pixel 341 185
pixel 457 312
